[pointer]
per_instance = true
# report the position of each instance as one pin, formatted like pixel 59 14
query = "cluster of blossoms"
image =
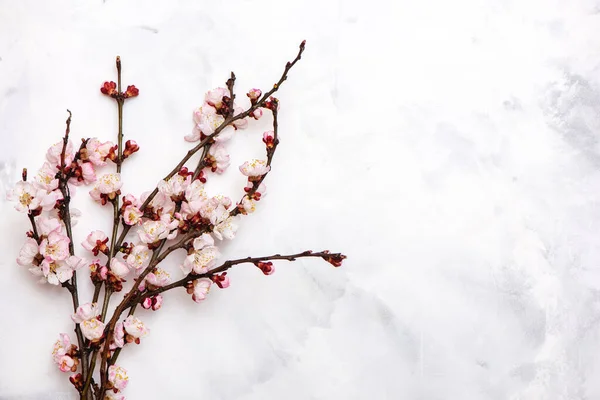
pixel 179 212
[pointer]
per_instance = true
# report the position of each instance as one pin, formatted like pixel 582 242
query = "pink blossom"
pixel 195 191
pixel 204 256
pixel 215 209
pixel 207 120
pixel 54 153
pixel 135 327
pixel 194 136
pixel 87 173
pixel 37 272
pixel 57 272
pixel 46 225
pixel 28 252
pixel 96 195
pixel 266 267
pixel 225 135
pixel 219 153
pixel 110 395
pixel 119 335
pixel 46 177
pixel 96 242
pixel 139 257
pixel 269 139
pixel 118 267
pixel 215 97
pixel 221 280
pixel 152 231
pixel 203 241
pixel 160 201
pixel 248 204
pixel 254 95
pixel 157 302
pixel 240 123
pixel 98 151
pixel 255 168
pixel 226 228
pixel 85 312
pixel 28 197
pixel 92 329
pixel 147 303
pixel 59 353
pixel 260 191
pixel 118 377
pixel 66 363
pixel 48 200
pixel 132 200
pixel 55 247
pixel 175 186
pixel 98 272
pixel 109 183
pixel 257 114
pixel 201 289
pixel 61 346
pixel 132 215
pixel 159 278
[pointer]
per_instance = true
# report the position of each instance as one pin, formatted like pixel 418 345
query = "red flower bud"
pixel 222 280
pixel 131 91
pixel 272 103
pixel 334 259
pixel 109 89
pixel 266 267
pixel 130 148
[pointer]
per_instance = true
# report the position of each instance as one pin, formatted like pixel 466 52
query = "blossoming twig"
pixel 176 215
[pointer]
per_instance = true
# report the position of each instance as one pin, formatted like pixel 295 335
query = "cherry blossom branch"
pixel 155 260
pixel 326 255
pixel 176 215
pixel 36 236
pixel 259 104
pixel 65 215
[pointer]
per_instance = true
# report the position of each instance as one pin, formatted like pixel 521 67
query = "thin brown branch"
pixel 65 215
pixel 228 264
pixel 259 104
pixel 156 258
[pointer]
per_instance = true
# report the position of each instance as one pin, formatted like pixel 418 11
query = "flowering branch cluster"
pixel 177 215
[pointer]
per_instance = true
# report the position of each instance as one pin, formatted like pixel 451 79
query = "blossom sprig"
pixel 178 214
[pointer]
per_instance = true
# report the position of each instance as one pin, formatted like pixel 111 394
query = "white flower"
pixel 46 177
pixel 201 289
pixel 226 229
pixel 139 258
pixel 118 267
pixel 92 328
pixel 28 252
pixel 109 183
pixel 57 272
pixel 85 312
pixel 158 278
pixel 215 97
pixel 135 327
pixel 204 256
pixel 219 153
pixel 28 197
pixel 118 377
pixel 255 168
pixel 54 153
pixel 175 186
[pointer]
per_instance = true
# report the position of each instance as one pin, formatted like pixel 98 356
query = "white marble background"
pixel 450 148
